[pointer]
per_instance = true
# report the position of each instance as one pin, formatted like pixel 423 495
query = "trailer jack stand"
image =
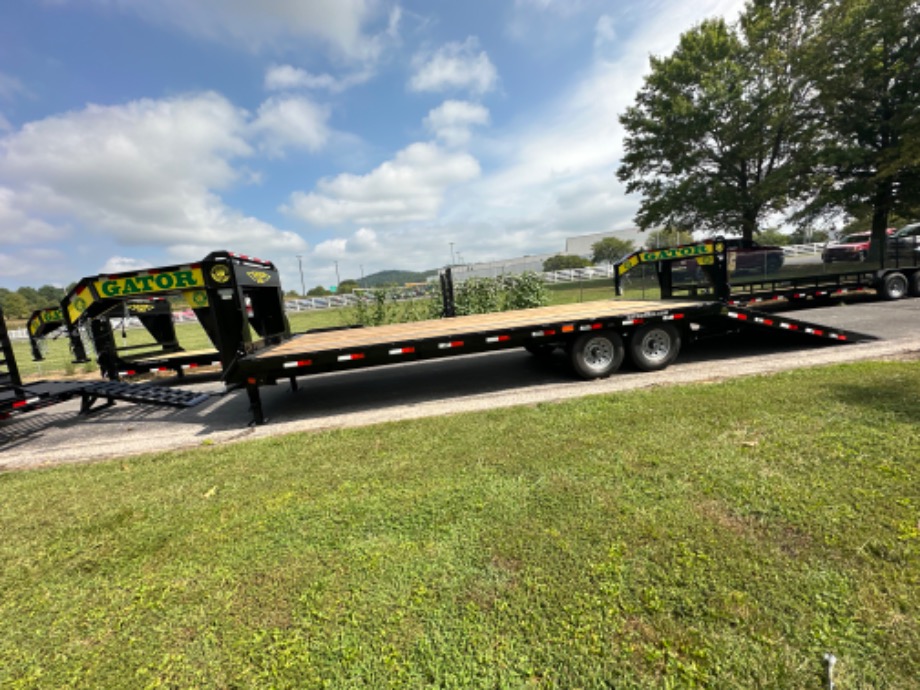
pixel 89 399
pixel 255 405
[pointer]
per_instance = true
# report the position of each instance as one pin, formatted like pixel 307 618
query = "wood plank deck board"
pixel 474 323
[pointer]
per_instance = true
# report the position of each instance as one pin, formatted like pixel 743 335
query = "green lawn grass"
pixel 713 536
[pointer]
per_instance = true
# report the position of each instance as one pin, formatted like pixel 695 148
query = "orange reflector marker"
pixel 251 381
pixel 568 329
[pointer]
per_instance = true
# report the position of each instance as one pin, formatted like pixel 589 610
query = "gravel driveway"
pixel 409 391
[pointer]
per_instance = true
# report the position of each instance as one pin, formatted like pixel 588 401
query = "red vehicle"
pixel 853 247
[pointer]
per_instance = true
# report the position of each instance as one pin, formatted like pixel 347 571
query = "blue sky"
pixel 370 133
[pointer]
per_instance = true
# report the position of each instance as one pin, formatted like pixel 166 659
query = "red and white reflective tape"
pixel 814 331
pixel 402 351
pixel 633 322
pixel 591 327
pixel 542 334
pixel 22 403
pixel 130 372
pixel 354 356
pixel 498 338
pixel 299 363
pixel 193 365
pixel 736 315
pixel 673 317
pixel 450 345
pixel 788 326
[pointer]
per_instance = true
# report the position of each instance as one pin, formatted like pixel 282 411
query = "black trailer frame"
pixel 595 335
pixel 897 275
pixel 17 397
pixel 228 293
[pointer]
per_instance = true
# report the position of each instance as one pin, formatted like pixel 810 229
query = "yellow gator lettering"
pixel 44 316
pixel 678 252
pixel 146 283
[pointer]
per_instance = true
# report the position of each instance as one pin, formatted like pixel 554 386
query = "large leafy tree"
pixel 865 66
pixel 714 141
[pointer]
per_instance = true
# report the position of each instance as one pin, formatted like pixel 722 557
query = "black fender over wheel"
pixel 654 346
pixel 893 285
pixel 597 354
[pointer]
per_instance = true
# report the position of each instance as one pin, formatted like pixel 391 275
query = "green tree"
pixel 561 262
pixel 15 306
pixel 346 287
pixel 668 237
pixel 774 237
pixel 715 137
pixel 865 65
pixel 610 250
pixel 318 291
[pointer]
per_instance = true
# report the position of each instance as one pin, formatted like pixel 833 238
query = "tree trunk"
pixel 881 207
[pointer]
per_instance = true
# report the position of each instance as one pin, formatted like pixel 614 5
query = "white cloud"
pixel 452 120
pixel 5 125
pixel 291 122
pixel 340 25
pixel 289 78
pixel 16 227
pixel 362 243
pixel 605 33
pixel 454 66
pixel 410 187
pixel 144 173
pixel 10 87
pixel 120 264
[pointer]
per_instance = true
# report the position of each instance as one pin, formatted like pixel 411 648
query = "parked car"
pixel 853 247
pixel 751 256
pixel 745 256
pixel 905 243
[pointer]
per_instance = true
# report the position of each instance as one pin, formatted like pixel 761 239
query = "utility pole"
pixel 452 261
pixel 303 288
pixel 338 281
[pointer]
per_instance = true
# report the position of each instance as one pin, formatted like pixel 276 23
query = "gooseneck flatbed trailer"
pixel 596 337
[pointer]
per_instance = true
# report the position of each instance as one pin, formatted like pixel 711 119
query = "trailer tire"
pixel 654 346
pixel 893 285
pixel 596 355
pixel 914 284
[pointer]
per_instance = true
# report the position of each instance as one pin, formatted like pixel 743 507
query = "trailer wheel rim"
pixel 897 286
pixel 599 354
pixel 655 345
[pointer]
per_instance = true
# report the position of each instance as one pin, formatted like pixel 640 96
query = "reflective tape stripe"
pixel 299 363
pixel 498 338
pixel 352 357
pixel 673 317
pixel 402 351
pixel 542 334
pixel 451 344
pixel 591 327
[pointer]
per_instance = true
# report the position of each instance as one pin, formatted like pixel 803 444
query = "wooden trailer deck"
pixel 474 323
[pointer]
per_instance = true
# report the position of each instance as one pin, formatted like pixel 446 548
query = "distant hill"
pixel 384 278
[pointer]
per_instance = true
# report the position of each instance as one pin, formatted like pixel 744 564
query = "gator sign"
pixel 79 303
pixel 689 251
pixel 44 316
pixel 149 283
